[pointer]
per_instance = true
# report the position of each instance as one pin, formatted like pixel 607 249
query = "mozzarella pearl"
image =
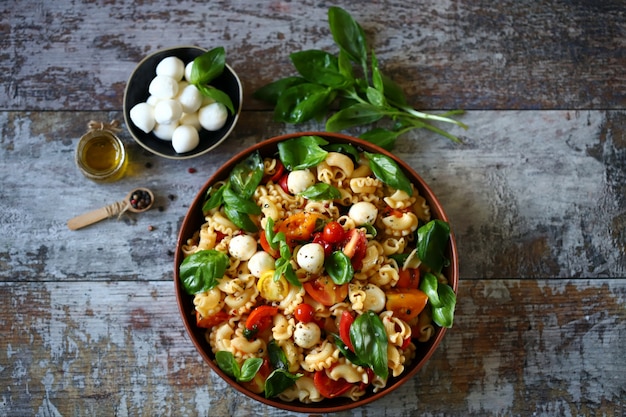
pixel 171 67
pixel 363 212
pixel 306 335
pixel 213 116
pixel 164 131
pixel 163 86
pixel 242 247
pixel 142 116
pixel 300 180
pixel 167 111
pixel 190 98
pixel 310 257
pixel 188 71
pixel 260 262
pixel 190 119
pixel 185 138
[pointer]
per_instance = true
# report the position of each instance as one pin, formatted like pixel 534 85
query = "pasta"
pixel 373 225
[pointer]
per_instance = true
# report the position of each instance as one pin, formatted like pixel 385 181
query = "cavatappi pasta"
pixel 377 227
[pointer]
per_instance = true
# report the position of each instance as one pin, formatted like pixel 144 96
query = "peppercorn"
pixel 140 199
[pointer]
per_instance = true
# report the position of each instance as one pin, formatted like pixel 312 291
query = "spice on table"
pixel 140 199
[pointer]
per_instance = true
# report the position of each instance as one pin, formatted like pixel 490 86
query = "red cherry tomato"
pixel 329 388
pixel 305 313
pixel 325 291
pixel 260 318
pixel 283 183
pixel 355 247
pixel 345 322
pixel 333 232
pixel 409 278
pixel 210 321
pixel 266 246
pixel 328 247
pixel 280 170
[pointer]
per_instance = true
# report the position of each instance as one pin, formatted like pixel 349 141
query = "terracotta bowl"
pixel 194 219
pixel 137 92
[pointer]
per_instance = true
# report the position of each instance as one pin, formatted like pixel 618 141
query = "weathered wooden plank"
pixel 518 347
pixel 529 194
pixel 447 54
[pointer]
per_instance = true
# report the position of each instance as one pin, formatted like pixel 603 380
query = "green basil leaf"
pixel 270 92
pixel 400 258
pixel 393 91
pixel 249 369
pixel 347 352
pixel 244 206
pixel 269 233
pixel 386 170
pixel 291 277
pixel 377 78
pixel 227 363
pixel 215 199
pixel 321 191
pixel 241 220
pixel 444 314
pixel 302 152
pixel 303 102
pixel 208 66
pixel 277 356
pixel 200 271
pixel 432 241
pixel 369 339
pixel 370 229
pixel 348 34
pixel 319 67
pixel 278 381
pixel 346 149
pixel 345 66
pixel 428 285
pixel 217 95
pixel 375 97
pixel 382 137
pixel 355 115
pixel 247 175
pixel 339 267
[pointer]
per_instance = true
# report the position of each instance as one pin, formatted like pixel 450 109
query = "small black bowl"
pixel 137 92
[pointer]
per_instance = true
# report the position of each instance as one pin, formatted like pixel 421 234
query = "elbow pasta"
pixel 237 294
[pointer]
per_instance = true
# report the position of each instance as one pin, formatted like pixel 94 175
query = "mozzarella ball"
pixel 171 67
pixel 374 298
pixel 307 335
pixel 363 212
pixel 300 180
pixel 163 86
pixel 190 119
pixel 260 262
pixel 213 116
pixel 153 100
pixel 242 247
pixel 167 111
pixel 190 98
pixel 310 257
pixel 206 101
pixel 185 138
pixel 142 116
pixel 188 71
pixel 164 131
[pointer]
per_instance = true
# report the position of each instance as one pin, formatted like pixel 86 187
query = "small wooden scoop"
pixel 137 201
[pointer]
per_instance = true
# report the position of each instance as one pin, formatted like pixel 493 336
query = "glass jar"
pixel 101 156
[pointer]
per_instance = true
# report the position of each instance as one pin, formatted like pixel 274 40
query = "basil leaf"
pixel 217 95
pixel 303 102
pixel 355 115
pixel 400 258
pixel 278 381
pixel 290 276
pixel 319 67
pixel 321 191
pixel 348 34
pixel 244 206
pixel 269 233
pixel 302 152
pixel 442 300
pixel 377 78
pixel 227 363
pixel 247 175
pixel 200 271
pixel 273 90
pixel 241 220
pixel 393 91
pixel 429 286
pixel 215 199
pixel 375 97
pixel 339 267
pixel 432 240
pixel 382 137
pixel 208 66
pixel 249 369
pixel 277 356
pixel 344 148
pixel 345 66
pixel 370 229
pixel 386 170
pixel 369 339
pixel 347 352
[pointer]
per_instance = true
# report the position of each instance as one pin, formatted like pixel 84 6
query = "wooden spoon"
pixel 137 201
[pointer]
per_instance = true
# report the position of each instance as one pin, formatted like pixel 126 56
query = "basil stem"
pixel 200 271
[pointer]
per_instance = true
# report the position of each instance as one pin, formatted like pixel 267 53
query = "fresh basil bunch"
pixel 326 79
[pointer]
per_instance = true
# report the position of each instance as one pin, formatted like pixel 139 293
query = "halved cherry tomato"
pixel 409 278
pixel 355 247
pixel 270 289
pixel 333 232
pixel 266 246
pixel 304 313
pixel 257 384
pixel 329 388
pixel 299 227
pixel 210 321
pixel 278 174
pixel 406 303
pixel 325 291
pixel 345 322
pixel 259 320
pixel 283 183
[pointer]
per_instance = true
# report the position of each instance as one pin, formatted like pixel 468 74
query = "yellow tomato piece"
pixel 272 290
pixel 406 303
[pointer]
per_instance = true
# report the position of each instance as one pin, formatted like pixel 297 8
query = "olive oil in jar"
pixel 101 156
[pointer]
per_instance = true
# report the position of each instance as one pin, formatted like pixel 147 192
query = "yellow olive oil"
pixel 101 156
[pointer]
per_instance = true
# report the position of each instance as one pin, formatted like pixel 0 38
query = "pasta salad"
pixel 317 271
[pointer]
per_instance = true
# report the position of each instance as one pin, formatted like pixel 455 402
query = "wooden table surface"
pixel 536 196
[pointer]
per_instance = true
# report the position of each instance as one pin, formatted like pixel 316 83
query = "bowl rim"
pixel 322 407
pixel 126 111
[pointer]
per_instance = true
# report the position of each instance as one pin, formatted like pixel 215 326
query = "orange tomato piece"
pixel 299 227
pixel 406 303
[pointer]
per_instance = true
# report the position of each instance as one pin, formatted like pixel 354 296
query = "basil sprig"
pixel 302 152
pixel 227 363
pixel 442 299
pixel 369 339
pixel 282 265
pixel 386 170
pixel 205 69
pixel 362 100
pixel 200 271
